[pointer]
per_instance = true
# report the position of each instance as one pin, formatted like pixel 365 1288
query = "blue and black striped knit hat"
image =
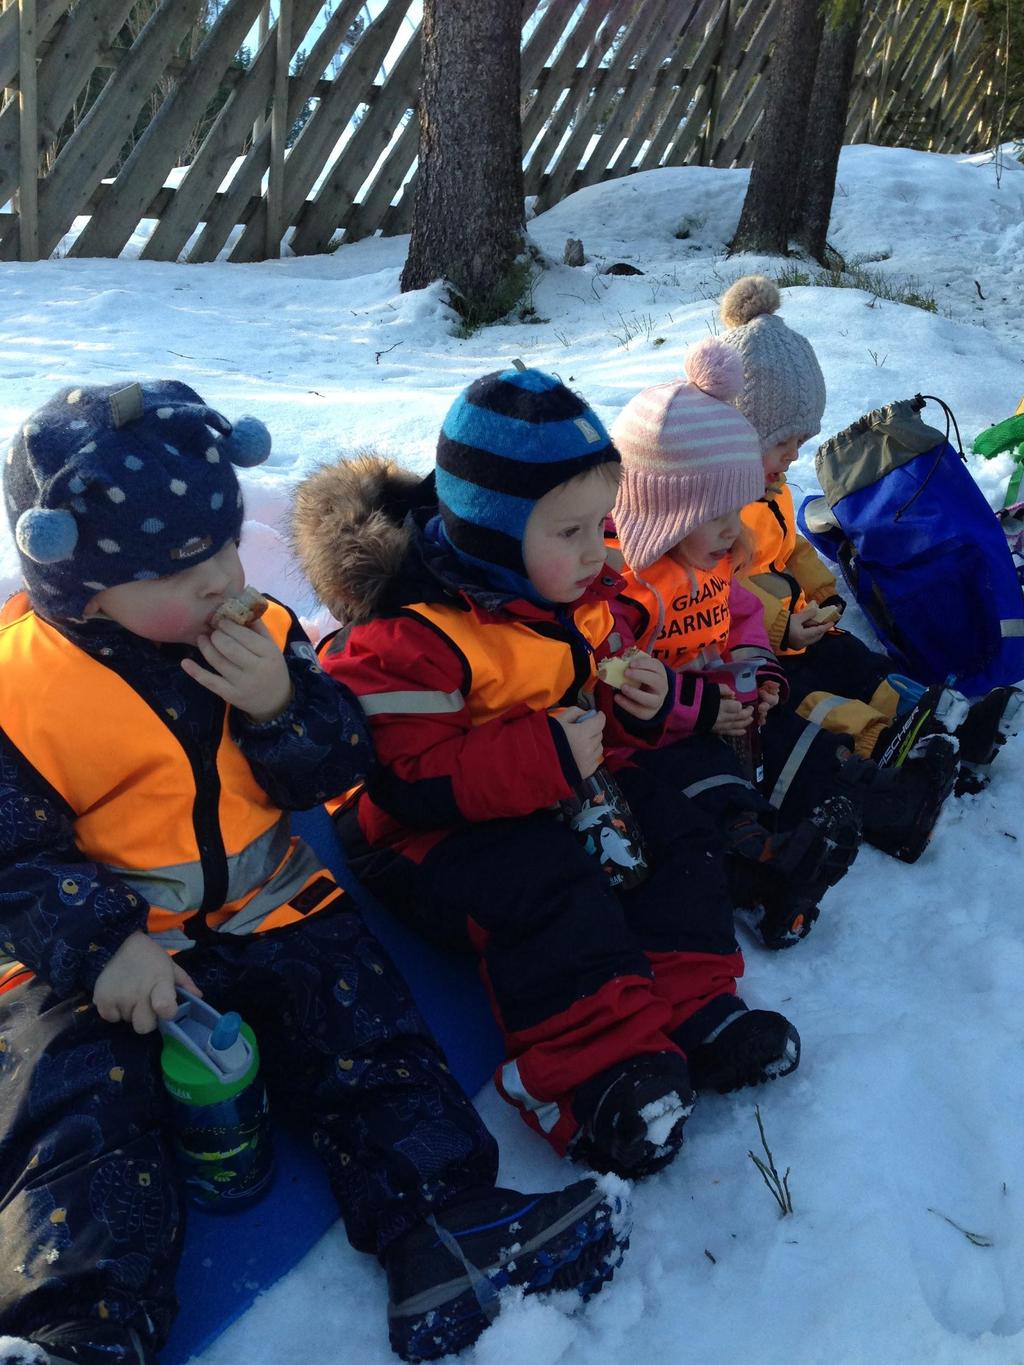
pixel 508 439
pixel 121 483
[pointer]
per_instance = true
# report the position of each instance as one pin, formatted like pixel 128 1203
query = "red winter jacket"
pixel 456 681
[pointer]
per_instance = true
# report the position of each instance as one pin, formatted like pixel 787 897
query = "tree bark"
pixel 826 125
pixel 769 204
pixel 468 221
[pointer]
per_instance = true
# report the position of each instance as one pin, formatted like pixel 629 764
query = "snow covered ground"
pixel 906 1117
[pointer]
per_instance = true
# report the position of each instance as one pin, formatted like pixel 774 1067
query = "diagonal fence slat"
pixel 577 147
pixel 47 15
pixel 647 119
pixel 375 208
pixel 695 92
pixel 965 89
pixel 156 151
pixel 903 44
pixel 317 142
pixel 743 103
pixel 94 146
pixel 635 94
pixel 696 52
pixel 62 74
pixel 908 94
pixel 195 195
pixel 547 119
pixel 233 207
pixel 609 87
pixel 28 184
pixel 723 81
pixel 319 217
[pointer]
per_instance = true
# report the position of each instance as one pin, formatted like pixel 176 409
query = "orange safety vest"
pixel 511 663
pixel 771 522
pixel 688 611
pixel 508 663
pixel 133 791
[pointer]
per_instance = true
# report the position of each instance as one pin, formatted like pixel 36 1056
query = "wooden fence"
pixel 608 87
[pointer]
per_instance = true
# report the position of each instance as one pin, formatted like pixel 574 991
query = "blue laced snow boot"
pixel 445 1276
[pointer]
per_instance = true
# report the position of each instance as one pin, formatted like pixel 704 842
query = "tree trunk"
pixel 467 224
pixel 768 207
pixel 826 125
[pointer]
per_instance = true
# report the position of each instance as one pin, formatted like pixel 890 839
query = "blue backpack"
pixel 920 548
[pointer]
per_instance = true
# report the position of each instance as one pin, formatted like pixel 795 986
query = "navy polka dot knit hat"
pixel 508 439
pixel 120 484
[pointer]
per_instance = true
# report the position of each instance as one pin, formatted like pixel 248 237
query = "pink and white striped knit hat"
pixel 688 456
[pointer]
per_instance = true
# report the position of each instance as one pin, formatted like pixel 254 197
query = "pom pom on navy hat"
pixel 46 536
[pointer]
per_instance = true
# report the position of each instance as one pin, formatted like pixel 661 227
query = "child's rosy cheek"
pixel 168 621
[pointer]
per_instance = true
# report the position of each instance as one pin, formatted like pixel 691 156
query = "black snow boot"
pixel 780 878
pixel 444 1277
pixel 938 711
pixel 899 806
pixel 632 1115
pixel 990 722
pixel 749 1048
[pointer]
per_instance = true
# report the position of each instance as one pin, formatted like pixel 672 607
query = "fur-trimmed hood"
pixel 364 533
pixel 351 531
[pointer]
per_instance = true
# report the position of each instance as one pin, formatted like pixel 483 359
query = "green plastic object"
pixel 192 1082
pixel 1008 435
pixel 218 1105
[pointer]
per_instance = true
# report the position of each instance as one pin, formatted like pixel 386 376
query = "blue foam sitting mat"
pixel 252 1248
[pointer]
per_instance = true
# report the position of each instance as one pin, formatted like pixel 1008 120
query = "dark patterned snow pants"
pixel 91 1216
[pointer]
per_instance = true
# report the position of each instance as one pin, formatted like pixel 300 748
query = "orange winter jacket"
pixel 784 572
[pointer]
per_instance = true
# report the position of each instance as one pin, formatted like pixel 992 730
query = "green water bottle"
pixel 211 1070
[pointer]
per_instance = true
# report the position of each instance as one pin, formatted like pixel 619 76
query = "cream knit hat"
pixel 688 456
pixel 783 386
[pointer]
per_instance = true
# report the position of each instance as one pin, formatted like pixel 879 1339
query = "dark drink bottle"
pixel 748 746
pixel 601 819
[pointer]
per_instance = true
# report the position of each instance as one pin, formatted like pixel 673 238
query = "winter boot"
pixel 632 1115
pixel 444 1277
pixel 778 879
pixel 77 1343
pixel 899 806
pixel 748 1048
pixel 989 724
pixel 938 711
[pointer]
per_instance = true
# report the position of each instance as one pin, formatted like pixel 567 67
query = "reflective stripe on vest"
pixel 688 608
pixel 130 783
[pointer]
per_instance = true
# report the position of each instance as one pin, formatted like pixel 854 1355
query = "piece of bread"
pixel 613 669
pixel 826 614
pixel 247 607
